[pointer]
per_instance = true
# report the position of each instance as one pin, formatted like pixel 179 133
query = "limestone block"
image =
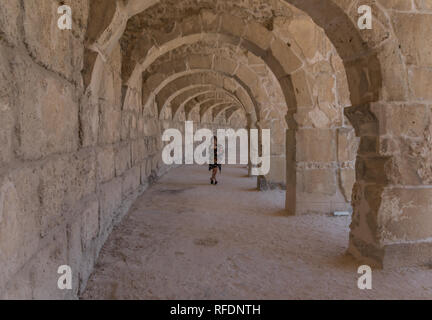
pixel 423 4
pixel 90 222
pixel 89 121
pixel 75 250
pixel 9 21
pixel 347 144
pixel 317 181
pixel 358 80
pixel 200 62
pixel 258 35
pixel 63 182
pixel 301 89
pixel 380 31
pixel 210 21
pixel 137 151
pixel 325 83
pixel 110 200
pixel 277 173
pixel 392 71
pixel 191 25
pixel 19 227
pixel 164 36
pixel 7 118
pixel 6 134
pixel 409 120
pixel 84 175
pixel 247 76
pixel 122 159
pixel 396 4
pixel 60 50
pixel 232 25
pixel 44 266
pixel 285 56
pixel 405 215
pixel 126 124
pixel 306 35
pixel 48 113
pixel 415 39
pixel 56 178
pixel 412 164
pixel 342 89
pixel 38 278
pixel 149 163
pixel 143 173
pixel 347 180
pixel 133 127
pixel 110 123
pixel 420 80
pixel 131 180
pixel 318 145
pixel 106 164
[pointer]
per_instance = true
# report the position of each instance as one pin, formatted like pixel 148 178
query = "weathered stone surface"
pixel 19 227
pixel 316 145
pixel 413 36
pixel 59 50
pixel 347 145
pixel 318 182
pixel 131 180
pixel 420 83
pixel 122 159
pixel 347 180
pixel 48 113
pixel 110 200
pixel 106 164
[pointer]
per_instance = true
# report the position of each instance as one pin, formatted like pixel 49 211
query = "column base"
pixel 413 254
pixel 263 184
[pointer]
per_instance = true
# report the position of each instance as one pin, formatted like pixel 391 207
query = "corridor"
pixel 187 239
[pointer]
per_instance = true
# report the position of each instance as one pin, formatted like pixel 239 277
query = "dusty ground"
pixel 187 239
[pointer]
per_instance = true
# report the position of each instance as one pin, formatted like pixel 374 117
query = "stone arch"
pixel 178 102
pixel 194 98
pixel 176 98
pixel 196 102
pixel 189 81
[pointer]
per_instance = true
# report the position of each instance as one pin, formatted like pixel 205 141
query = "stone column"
pixel 251 124
pixel 392 197
pixel 313 172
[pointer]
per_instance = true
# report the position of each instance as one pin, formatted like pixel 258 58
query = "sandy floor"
pixel 187 239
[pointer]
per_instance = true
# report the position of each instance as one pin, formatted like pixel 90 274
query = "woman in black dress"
pixel 213 167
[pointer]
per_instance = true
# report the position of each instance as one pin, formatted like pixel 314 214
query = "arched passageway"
pixel 84 110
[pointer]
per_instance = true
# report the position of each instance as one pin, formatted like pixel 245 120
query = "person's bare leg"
pixel 214 175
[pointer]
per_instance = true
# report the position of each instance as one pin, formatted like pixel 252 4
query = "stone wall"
pixel 71 161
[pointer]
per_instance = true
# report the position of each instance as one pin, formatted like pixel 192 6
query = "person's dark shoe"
pixel 211 181
pixel 215 181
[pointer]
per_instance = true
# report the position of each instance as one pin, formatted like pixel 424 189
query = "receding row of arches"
pixel 266 62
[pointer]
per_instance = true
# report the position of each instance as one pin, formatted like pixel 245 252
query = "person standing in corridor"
pixel 216 151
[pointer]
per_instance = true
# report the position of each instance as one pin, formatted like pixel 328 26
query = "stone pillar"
pixel 251 124
pixel 291 173
pixel 275 178
pixel 392 220
pixel 314 177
